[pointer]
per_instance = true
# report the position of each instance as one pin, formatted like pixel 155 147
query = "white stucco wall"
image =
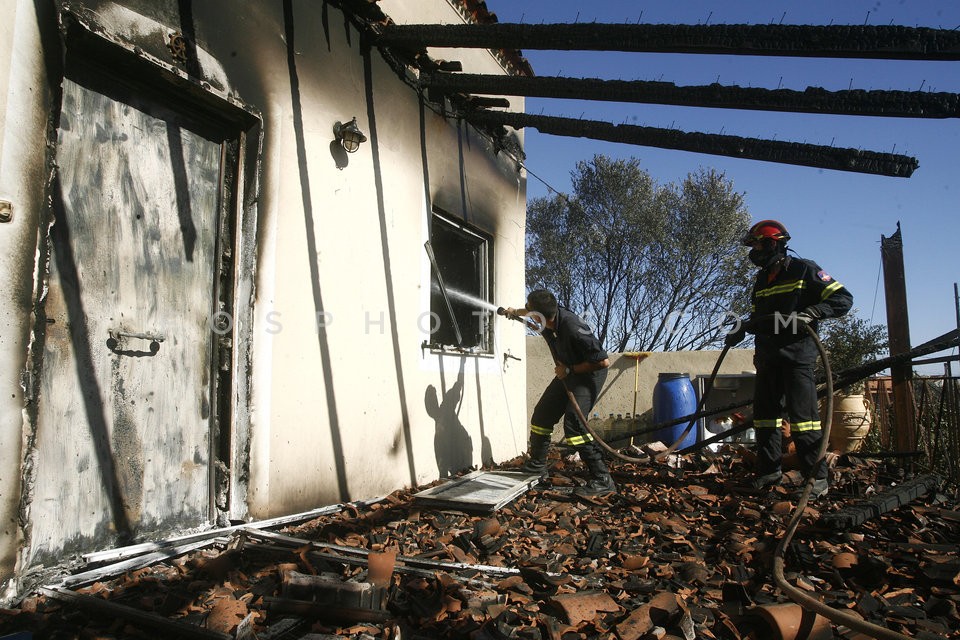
pixel 24 109
pixel 344 414
pixel 347 412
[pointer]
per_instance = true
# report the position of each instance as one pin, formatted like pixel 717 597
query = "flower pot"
pixel 851 423
pixel 790 621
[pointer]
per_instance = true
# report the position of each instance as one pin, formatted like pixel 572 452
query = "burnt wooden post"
pixel 898 332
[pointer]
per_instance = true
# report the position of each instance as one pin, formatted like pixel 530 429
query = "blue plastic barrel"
pixel 674 397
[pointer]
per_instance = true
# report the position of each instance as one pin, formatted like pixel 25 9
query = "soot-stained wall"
pixel 252 345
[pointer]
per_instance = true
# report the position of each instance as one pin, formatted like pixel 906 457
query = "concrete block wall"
pixel 629 386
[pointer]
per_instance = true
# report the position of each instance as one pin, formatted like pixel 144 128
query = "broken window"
pixel 463 258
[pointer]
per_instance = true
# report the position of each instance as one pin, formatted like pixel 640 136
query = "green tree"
pixel 851 341
pixel 652 267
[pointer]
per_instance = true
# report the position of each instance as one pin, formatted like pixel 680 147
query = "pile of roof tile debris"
pixel 678 553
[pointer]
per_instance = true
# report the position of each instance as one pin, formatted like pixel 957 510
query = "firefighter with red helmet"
pixel 789 292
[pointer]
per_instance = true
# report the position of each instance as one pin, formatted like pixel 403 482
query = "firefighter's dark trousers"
pixel 554 404
pixel 787 389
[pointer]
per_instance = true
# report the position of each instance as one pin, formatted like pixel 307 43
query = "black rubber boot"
pixel 537 462
pixel 766 481
pixel 769 451
pixel 808 449
pixel 600 483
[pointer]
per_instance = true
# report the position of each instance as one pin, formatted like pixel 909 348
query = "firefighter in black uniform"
pixel 789 292
pixel 581 366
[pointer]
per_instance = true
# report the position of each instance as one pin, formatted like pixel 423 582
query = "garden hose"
pixel 573 401
pixel 663 454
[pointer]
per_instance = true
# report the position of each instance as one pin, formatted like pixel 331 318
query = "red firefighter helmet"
pixel 766 229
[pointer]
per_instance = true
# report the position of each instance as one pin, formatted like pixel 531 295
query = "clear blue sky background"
pixel 835 217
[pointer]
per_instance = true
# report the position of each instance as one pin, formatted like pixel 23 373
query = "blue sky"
pixel 835 217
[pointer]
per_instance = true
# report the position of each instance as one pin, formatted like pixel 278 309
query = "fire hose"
pixel 586 424
pixel 800 597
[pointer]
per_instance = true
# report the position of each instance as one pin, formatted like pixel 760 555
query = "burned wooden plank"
pixel 131 564
pixel 823 41
pixel 324 611
pixel 130 551
pixel 904 104
pixel 170 628
pixel 847 377
pixel 894 498
pixel 898 339
pixel 403 561
pixel 810 155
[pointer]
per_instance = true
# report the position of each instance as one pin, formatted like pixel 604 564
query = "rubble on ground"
pixel 679 552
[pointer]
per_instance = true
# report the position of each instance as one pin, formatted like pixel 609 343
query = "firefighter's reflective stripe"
pixel 810 425
pixel 785 287
pixel 574 441
pixel 830 289
pixel 813 425
pixel 773 423
pixel 541 431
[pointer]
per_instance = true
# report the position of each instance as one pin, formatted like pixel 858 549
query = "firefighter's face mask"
pixel 764 253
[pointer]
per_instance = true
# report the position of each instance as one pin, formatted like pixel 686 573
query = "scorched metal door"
pixel 124 407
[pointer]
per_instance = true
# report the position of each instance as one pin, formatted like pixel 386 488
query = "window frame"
pixel 484 242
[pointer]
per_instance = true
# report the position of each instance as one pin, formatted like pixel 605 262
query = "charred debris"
pixel 678 553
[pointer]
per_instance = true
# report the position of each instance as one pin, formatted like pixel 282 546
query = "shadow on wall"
pixel 486 450
pixel 452 445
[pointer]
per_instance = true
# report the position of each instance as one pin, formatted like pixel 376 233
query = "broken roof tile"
pixel 675 553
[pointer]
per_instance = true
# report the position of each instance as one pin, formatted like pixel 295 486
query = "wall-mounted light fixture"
pixel 349 135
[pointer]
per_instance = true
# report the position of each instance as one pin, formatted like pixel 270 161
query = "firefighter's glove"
pixel 808 316
pixel 735 337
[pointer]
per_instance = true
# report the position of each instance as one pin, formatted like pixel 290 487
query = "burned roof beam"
pixel 833 41
pixel 809 155
pixel 903 104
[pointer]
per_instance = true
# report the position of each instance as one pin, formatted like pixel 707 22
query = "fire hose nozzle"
pixel 511 314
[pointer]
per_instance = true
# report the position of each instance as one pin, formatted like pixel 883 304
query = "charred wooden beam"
pixel 881 503
pixel 833 41
pixel 483 102
pixel 810 155
pixel 847 377
pixel 324 611
pixel 165 627
pixel 903 104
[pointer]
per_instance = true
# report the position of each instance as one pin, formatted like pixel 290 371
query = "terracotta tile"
pixel 664 553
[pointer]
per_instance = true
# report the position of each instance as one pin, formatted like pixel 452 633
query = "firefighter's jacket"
pixel 573 341
pixel 797 285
